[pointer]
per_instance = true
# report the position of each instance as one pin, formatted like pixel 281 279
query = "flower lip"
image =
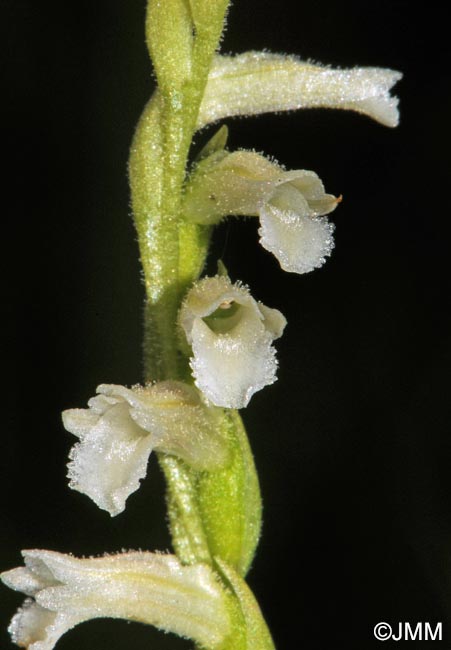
pixel 292 222
pixel 300 243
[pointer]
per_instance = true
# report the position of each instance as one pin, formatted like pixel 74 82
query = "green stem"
pixel 217 513
pixel 172 251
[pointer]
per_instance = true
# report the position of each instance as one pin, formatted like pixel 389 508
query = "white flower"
pixel 231 337
pixel 292 225
pixel 122 426
pixel 260 82
pixel 291 205
pixel 146 587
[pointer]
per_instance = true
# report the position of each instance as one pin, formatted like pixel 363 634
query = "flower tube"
pixel 262 82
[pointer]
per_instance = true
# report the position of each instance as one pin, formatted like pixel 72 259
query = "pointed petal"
pixel 309 185
pixel 274 321
pixel 36 628
pixel 79 421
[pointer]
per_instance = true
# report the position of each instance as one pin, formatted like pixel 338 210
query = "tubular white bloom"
pixel 291 223
pixel 291 205
pixel 231 337
pixel 122 426
pixel 261 82
pixel 146 587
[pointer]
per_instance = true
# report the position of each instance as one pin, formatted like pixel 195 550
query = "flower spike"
pixel 151 588
pixel 231 335
pixel 122 426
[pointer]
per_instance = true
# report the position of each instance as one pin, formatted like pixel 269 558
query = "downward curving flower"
pixel 147 587
pixel 231 336
pixel 122 426
pixel 262 82
pixel 291 205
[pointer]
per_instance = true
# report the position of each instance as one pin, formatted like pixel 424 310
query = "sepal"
pixel 216 143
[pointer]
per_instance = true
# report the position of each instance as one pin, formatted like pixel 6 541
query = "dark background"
pixel 352 443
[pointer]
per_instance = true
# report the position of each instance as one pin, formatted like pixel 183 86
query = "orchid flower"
pixel 231 335
pixel 152 588
pixel 253 83
pixel 122 426
pixel 290 204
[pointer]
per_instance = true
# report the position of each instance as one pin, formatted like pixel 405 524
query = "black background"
pixel 352 443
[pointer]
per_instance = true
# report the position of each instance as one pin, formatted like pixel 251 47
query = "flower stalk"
pixel 210 513
pixel 157 169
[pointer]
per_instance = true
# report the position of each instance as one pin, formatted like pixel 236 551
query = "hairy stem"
pixel 217 513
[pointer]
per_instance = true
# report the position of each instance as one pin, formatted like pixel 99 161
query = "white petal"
pixel 101 403
pixel 111 459
pixel 36 628
pixel 274 322
pixel 147 587
pixel 79 421
pixel 382 108
pixel 300 242
pixel 206 296
pixel 308 186
pixel 230 369
pixel 209 294
pixel 25 580
pixel 260 82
